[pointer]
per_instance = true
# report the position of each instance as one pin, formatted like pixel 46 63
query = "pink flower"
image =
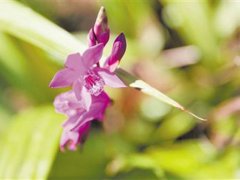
pixel 85 76
pixel 79 119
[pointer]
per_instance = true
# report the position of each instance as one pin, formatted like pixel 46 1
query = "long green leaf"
pixel 24 23
pixel 149 90
pixel 30 144
pixel 33 28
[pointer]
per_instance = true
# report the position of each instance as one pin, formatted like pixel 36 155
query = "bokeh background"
pixel 188 49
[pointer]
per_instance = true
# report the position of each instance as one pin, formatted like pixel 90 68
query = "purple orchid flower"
pixel 82 73
pixel 87 74
pixel 79 120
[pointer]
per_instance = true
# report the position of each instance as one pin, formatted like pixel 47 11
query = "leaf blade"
pixel 31 154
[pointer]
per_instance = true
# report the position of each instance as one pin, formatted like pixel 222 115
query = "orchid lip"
pixel 93 83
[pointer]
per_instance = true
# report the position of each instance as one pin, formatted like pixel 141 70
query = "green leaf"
pixel 17 70
pixel 29 146
pixel 27 25
pixel 149 90
pixel 178 159
pixel 173 127
pixel 192 19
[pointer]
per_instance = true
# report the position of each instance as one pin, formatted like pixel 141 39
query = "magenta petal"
pixel 96 111
pixel 100 29
pixel 69 139
pixel 118 50
pixel 77 89
pixel 104 37
pixel 75 62
pixel 111 79
pixel 68 104
pixel 82 95
pixel 91 38
pixel 92 55
pixel 62 103
pixel 72 120
pixel 63 78
pixel 87 98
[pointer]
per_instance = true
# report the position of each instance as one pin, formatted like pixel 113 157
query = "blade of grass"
pixel 30 154
pixel 149 90
pixel 26 24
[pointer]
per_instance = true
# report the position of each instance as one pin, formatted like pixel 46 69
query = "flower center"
pixel 93 83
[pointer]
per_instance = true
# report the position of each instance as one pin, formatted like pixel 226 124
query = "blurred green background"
pixel 188 49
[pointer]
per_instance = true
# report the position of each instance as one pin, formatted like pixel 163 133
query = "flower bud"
pixel 100 32
pixel 118 50
pixel 92 40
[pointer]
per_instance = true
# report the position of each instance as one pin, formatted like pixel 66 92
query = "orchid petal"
pixel 75 62
pixel 61 104
pixel 92 55
pixel 70 139
pixel 77 89
pixel 91 38
pixel 71 121
pixel 87 98
pixel 96 111
pixel 82 94
pixel 67 103
pixel 63 78
pixel 111 79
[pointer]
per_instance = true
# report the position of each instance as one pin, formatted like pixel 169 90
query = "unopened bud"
pixel 118 50
pixel 100 32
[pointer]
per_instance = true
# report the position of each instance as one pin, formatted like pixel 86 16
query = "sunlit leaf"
pixel 26 24
pixel 173 127
pixel 30 144
pixel 179 159
pixel 149 90
pixel 16 69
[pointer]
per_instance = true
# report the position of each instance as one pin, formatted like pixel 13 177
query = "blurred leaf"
pixel 227 16
pixel 87 163
pixel 179 159
pixel 11 58
pixel 149 110
pixel 226 166
pixel 173 127
pixel 30 144
pixel 139 22
pixel 193 21
pixel 25 24
pixel 16 69
pixel 125 14
pixel 90 161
